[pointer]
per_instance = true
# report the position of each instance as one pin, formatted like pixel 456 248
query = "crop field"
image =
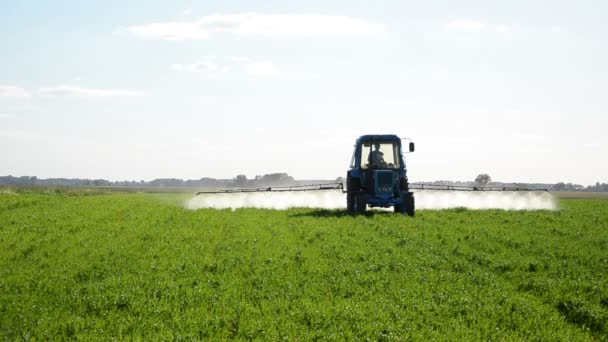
pixel 96 265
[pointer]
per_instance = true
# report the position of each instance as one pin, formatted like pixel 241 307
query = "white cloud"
pixel 591 145
pixel 255 24
pixel 262 69
pixel 169 31
pixel 465 25
pixel 6 116
pixel 68 90
pixel 213 65
pixel 187 11
pixel 503 28
pixel 12 91
pixel 239 59
pixel 15 133
pixel 513 111
pixel 300 76
pixel 200 66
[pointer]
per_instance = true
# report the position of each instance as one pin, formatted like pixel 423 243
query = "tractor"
pixel 377 175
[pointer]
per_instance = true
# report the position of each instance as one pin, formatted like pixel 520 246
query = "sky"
pixel 189 89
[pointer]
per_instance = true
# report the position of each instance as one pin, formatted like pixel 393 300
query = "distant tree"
pixel 483 179
pixel 240 180
pixel 167 182
pixel 274 179
pixel 561 186
pixel 597 187
pixel 100 182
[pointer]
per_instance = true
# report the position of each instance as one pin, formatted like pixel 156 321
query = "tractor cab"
pixel 377 176
pixel 380 155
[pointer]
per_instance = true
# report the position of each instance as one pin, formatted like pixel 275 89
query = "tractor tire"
pixel 353 187
pixel 403 185
pixel 410 208
pixel 350 202
pixel 360 204
pixel 407 205
pixel 353 184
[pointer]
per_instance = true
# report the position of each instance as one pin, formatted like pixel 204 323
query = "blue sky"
pixel 141 90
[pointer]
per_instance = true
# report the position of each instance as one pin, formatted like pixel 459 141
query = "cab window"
pixel 380 155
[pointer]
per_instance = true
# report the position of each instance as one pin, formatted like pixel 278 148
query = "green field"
pixel 98 266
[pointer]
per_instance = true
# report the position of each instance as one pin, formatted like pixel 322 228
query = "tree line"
pixel 272 179
pixel 597 187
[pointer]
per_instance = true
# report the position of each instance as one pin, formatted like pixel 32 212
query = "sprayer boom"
pixel 308 187
pixel 444 187
pixel 340 186
pixel 377 177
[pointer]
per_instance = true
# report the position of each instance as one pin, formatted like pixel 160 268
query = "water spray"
pixel 333 199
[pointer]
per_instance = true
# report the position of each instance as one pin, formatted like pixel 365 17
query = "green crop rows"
pixel 99 266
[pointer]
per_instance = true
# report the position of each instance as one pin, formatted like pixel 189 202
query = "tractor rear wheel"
pixel 353 186
pixel 360 204
pixel 410 208
pixel 407 205
pixel 350 202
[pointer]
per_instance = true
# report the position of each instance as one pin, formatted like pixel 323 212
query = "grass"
pixel 98 265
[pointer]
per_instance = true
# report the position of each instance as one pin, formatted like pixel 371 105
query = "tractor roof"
pixel 381 137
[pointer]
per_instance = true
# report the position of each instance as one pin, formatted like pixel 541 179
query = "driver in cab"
pixel 376 157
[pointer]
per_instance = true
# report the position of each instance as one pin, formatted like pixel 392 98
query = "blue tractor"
pixel 377 175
